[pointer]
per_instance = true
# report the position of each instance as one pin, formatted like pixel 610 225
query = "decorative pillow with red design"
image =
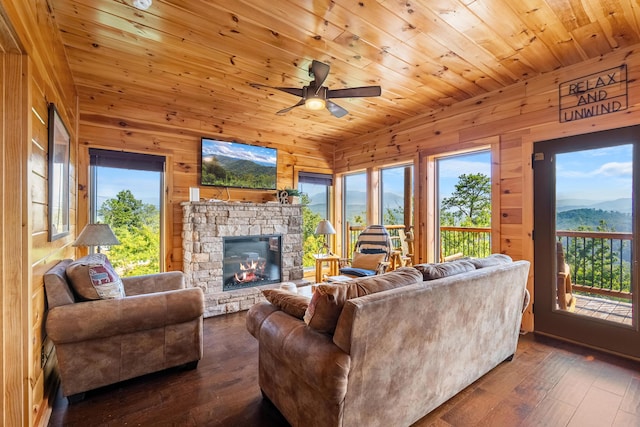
pixel 93 277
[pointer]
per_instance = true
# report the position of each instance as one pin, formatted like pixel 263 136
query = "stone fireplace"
pixel 269 232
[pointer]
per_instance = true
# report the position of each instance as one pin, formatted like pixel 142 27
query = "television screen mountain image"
pixel 233 164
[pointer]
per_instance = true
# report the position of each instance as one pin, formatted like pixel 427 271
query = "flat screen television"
pixel 234 164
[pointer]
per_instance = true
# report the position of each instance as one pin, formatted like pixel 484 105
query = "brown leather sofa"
pixel 400 348
pixel 157 325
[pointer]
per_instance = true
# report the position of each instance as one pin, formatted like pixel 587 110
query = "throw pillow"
pixel 367 261
pixel 293 304
pixel 329 299
pixel 92 277
pixel 444 269
pixel 493 259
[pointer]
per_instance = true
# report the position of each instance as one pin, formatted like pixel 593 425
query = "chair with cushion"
pixel 564 288
pixel 106 329
pixel 371 253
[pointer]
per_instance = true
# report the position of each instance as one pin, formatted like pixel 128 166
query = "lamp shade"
pixel 96 235
pixel 325 227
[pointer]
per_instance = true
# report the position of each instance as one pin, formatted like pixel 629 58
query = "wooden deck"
pixel 615 311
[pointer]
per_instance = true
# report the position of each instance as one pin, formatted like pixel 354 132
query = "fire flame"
pixel 248 271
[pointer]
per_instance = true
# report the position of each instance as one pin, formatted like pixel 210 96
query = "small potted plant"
pixel 288 196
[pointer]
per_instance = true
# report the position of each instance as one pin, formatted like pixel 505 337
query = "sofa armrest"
pixel 256 315
pixel 104 318
pixel 287 343
pixel 150 283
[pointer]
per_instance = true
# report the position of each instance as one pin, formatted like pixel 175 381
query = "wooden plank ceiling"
pixel 200 56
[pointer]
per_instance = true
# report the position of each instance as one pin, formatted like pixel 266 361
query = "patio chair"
pixel 406 245
pixel 566 299
pixel 371 253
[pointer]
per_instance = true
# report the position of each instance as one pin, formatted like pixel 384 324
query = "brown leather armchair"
pixel 157 325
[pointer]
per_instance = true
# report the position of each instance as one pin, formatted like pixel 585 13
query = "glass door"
pixel 585 254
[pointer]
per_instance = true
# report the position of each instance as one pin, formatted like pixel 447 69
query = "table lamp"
pixel 325 228
pixel 96 235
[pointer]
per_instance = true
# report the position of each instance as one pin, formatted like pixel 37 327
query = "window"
pixel 354 204
pixel 396 191
pixel 126 193
pixel 464 205
pixel 315 189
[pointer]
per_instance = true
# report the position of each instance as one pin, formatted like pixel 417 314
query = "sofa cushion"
pixel 93 277
pixel 493 259
pixel 292 304
pixel 444 269
pixel 367 261
pixel 328 299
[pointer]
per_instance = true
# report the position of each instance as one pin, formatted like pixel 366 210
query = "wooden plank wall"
pixel 112 121
pixel 517 116
pixel 43 77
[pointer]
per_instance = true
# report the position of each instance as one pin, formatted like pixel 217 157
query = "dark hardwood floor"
pixel 549 383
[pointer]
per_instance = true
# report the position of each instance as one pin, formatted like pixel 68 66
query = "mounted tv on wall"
pixel 233 164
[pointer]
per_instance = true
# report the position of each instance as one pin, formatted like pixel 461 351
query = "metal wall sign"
pixel 596 94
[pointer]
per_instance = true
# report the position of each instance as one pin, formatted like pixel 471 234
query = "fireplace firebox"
pixel 251 261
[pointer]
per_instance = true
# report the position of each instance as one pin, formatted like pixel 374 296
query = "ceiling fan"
pixel 316 97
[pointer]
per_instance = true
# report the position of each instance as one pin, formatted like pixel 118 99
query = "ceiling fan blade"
pixel 355 92
pixel 336 110
pixel 320 72
pixel 286 110
pixel 292 90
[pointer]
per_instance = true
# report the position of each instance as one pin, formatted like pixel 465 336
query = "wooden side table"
pixel 331 260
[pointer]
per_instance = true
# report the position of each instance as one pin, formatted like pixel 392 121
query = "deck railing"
pixel 465 241
pixel 600 261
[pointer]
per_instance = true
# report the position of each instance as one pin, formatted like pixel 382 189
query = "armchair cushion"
pixel 156 282
pixel 367 261
pixel 93 277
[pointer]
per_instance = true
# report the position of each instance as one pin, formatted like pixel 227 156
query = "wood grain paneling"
pixel 38 75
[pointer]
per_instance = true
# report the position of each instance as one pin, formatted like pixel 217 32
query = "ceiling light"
pixel 142 4
pixel 314 103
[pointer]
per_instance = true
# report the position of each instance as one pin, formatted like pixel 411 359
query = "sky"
pixel 146 184
pixel 598 175
pixel 450 168
pixel 261 155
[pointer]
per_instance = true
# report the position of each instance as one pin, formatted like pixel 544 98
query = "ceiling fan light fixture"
pixel 315 103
